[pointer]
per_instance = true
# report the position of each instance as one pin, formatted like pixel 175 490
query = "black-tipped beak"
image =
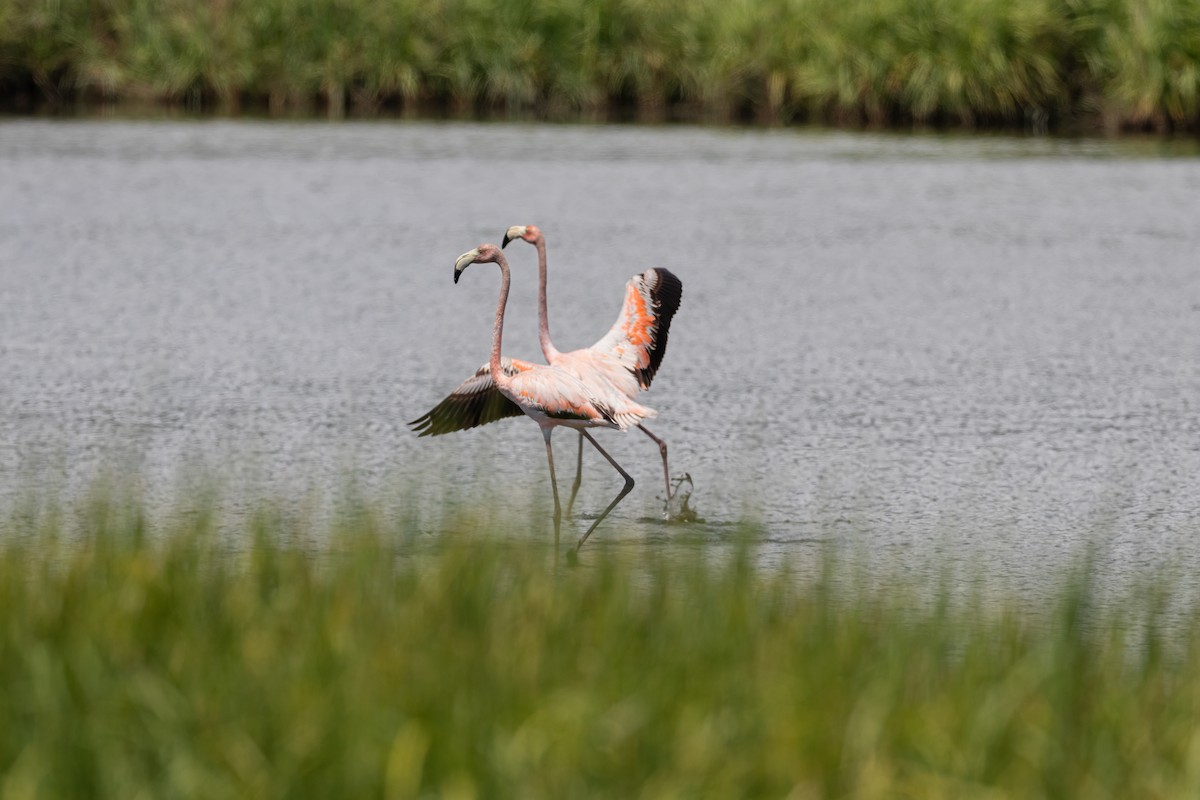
pixel 515 232
pixel 464 261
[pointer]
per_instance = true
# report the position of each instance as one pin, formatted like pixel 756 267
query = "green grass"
pixel 277 658
pixel 1108 64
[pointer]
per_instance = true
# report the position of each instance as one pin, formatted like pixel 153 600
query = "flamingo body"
pixel 553 393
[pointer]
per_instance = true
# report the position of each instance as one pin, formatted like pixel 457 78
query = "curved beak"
pixel 464 261
pixel 515 232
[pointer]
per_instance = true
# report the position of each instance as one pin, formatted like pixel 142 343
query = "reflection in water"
pixel 981 349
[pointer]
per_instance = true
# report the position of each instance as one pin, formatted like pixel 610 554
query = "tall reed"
pixel 1140 60
pixel 278 657
pixel 1103 63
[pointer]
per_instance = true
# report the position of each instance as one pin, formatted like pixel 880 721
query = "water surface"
pixel 982 348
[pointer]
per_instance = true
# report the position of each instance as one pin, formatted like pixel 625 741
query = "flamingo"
pixel 627 358
pixel 549 395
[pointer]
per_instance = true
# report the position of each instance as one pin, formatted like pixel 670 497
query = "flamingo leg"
pixel 628 486
pixel 662 449
pixel 578 477
pixel 553 485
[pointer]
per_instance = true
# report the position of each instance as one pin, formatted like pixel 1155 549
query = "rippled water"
pixel 983 347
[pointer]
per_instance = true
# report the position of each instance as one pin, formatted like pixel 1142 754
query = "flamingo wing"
pixel 638 339
pixel 476 401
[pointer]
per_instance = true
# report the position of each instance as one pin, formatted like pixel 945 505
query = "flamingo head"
pixel 530 233
pixel 480 255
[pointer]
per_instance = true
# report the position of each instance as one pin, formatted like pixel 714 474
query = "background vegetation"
pixel 1067 64
pixel 275 658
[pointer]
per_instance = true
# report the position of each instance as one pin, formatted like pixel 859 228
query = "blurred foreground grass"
pixel 1108 64
pixel 271 659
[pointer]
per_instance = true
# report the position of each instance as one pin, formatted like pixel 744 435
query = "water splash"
pixel 676 508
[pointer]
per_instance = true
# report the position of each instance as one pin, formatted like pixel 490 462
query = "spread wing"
pixel 475 402
pixel 638 339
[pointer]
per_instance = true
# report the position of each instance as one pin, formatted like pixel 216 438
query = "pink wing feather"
pixel 638 339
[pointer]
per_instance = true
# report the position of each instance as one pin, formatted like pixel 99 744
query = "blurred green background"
pixel 363 657
pixel 1069 65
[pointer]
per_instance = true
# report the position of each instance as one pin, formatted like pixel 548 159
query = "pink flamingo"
pixel 616 368
pixel 550 396
pixel 629 355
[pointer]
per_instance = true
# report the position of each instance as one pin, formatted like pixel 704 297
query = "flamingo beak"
pixel 464 261
pixel 515 232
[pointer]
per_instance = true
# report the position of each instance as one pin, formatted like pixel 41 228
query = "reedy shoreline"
pixel 1070 65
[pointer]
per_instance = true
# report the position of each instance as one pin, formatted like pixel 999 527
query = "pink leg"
pixel 617 499
pixel 662 448
pixel 553 485
pixel 578 477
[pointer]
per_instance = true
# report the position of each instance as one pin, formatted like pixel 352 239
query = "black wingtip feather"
pixel 667 294
pixel 457 413
pixel 475 402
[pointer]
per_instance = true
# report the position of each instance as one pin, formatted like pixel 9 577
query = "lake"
pixel 976 349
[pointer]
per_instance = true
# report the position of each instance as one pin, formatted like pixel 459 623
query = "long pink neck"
pixel 498 376
pixel 548 348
